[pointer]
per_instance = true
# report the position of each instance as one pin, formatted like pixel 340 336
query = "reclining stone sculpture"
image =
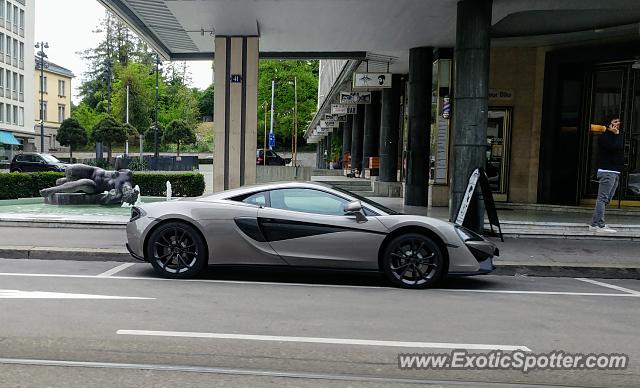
pixel 85 184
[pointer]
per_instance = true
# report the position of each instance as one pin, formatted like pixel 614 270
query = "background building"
pixel 56 99
pixel 16 81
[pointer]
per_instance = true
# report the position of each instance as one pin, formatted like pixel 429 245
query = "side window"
pixel 259 199
pixel 308 201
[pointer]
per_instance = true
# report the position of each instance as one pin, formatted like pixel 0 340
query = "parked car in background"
pixel 273 159
pixel 35 162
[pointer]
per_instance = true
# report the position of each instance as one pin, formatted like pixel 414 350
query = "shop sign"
pixel 501 94
pixel 329 124
pixel 355 97
pixel 372 80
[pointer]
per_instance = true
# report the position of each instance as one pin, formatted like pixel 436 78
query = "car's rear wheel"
pixel 176 250
pixel 413 261
pixel 16 170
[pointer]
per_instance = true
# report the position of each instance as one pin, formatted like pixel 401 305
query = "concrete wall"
pixel 267 174
pixel 521 70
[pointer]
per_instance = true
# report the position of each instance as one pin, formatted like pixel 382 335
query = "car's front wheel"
pixel 176 250
pixel 413 261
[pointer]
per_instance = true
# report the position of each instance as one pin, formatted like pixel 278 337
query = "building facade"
pixel 16 80
pixel 52 101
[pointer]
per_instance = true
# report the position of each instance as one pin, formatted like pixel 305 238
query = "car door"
pixel 39 163
pixel 308 227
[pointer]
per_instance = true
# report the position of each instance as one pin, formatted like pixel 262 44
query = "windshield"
pixel 367 201
pixel 49 158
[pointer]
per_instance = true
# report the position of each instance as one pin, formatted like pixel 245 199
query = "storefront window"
pixel 498 149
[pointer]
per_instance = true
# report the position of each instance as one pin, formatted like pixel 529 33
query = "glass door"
pixel 630 179
pixel 615 90
pixel 607 98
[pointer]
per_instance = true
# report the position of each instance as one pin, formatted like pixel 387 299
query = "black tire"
pixel 414 261
pixel 176 251
pixel 16 170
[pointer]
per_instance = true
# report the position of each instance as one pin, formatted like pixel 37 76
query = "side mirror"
pixel 355 209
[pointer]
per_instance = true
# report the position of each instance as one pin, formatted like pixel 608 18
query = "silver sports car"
pixel 302 225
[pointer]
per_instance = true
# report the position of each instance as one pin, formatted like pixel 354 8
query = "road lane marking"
pixel 115 270
pixel 318 340
pixel 389 288
pixel 612 286
pixel 257 372
pixel 17 294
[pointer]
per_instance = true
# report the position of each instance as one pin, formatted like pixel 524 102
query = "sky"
pixel 67 26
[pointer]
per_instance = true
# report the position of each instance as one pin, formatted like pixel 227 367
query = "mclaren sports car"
pixel 302 225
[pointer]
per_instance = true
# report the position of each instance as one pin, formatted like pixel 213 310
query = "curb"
pixel 74 254
pixel 567 270
pixel 503 269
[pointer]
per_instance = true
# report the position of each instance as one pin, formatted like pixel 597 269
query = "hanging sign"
pixel 337 109
pixel 334 117
pixel 372 80
pixel 329 124
pixel 355 97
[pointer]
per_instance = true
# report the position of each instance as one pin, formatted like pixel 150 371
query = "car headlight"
pixel 468 235
pixel 136 213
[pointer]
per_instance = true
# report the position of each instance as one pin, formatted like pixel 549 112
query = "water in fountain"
pixel 169 191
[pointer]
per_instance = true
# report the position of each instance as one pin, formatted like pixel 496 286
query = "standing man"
pixel 610 164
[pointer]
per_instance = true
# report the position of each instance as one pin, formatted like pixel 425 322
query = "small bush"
pixel 16 185
pixel 27 185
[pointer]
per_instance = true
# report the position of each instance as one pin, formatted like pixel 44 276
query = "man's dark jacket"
pixel 611 151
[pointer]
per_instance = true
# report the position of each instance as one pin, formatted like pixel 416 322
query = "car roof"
pixel 249 189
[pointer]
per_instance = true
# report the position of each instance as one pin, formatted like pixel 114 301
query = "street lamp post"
pixel 42 46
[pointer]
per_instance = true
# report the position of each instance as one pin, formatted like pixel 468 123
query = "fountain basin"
pixel 20 212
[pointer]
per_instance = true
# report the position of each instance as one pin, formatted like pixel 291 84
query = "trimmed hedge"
pixel 187 184
pixel 16 185
pixel 27 185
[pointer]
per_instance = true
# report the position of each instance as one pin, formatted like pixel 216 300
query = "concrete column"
pixel 417 185
pixel 346 135
pixel 390 130
pixel 470 103
pixel 235 111
pixel 357 133
pixel 370 143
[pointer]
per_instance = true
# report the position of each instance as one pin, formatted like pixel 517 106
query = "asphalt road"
pixel 96 324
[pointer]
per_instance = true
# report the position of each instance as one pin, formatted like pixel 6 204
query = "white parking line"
pixel 115 270
pixel 612 286
pixel 316 340
pixel 258 283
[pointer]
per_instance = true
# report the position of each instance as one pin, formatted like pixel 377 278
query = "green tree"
pixel 141 97
pixel 87 116
pixel 150 137
pixel 205 102
pixel 72 134
pixel 178 131
pixel 284 72
pixel 109 131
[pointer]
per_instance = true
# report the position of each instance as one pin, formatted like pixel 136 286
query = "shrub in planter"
pixel 28 185
pixel 16 185
pixel 187 184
